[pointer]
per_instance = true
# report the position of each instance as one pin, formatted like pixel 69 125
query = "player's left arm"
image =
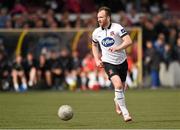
pixel 126 43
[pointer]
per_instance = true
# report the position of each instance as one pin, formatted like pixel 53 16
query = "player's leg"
pixel 15 80
pixel 32 77
pixel 114 72
pixel 117 108
pixel 23 80
pixel 119 97
pixel 48 78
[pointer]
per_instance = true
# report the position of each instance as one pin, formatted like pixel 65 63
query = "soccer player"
pixel 112 39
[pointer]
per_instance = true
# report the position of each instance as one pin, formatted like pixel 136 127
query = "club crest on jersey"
pixel 111 72
pixel 108 41
pixel 112 33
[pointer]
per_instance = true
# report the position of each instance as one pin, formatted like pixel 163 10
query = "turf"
pixel 150 109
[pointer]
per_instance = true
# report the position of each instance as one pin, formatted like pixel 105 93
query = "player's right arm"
pixel 97 56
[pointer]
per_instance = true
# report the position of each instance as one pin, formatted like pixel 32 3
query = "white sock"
pixel 16 87
pixel 120 99
pixel 30 83
pixel 24 85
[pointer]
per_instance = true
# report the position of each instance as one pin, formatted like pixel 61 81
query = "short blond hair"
pixel 106 9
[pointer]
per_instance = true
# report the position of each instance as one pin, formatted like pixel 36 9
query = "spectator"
pixel 65 23
pixel 18 8
pixel 124 20
pixel 132 75
pixel 168 55
pixel 89 73
pixel 43 72
pixel 78 23
pixel 158 25
pixel 152 61
pixel 159 44
pixel 30 65
pixel 56 71
pixel 73 6
pixel 91 22
pixel 18 72
pixel 177 50
pixel 87 6
pixel 4 17
pixel 172 36
pixel 133 16
pixel 9 24
pixel 52 4
pixel 39 23
pixel 76 67
pixel 51 20
pixel 5 72
pixel 18 21
pixel 148 31
pixel 67 65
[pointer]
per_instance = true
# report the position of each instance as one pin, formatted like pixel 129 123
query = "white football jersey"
pixel 106 38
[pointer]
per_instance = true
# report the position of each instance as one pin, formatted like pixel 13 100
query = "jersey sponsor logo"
pixel 108 41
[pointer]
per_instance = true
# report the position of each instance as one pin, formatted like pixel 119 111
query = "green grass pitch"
pixel 150 109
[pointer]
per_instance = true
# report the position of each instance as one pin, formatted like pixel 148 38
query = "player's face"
pixel 103 19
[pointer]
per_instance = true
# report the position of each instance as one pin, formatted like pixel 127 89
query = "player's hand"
pixel 99 64
pixel 112 49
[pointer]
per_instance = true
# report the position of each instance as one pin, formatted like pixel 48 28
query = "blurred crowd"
pixel 58 13
pixel 161 38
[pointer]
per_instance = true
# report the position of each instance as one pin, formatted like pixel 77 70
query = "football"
pixel 65 112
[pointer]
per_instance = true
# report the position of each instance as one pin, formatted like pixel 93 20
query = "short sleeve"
pixel 94 39
pixel 121 31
